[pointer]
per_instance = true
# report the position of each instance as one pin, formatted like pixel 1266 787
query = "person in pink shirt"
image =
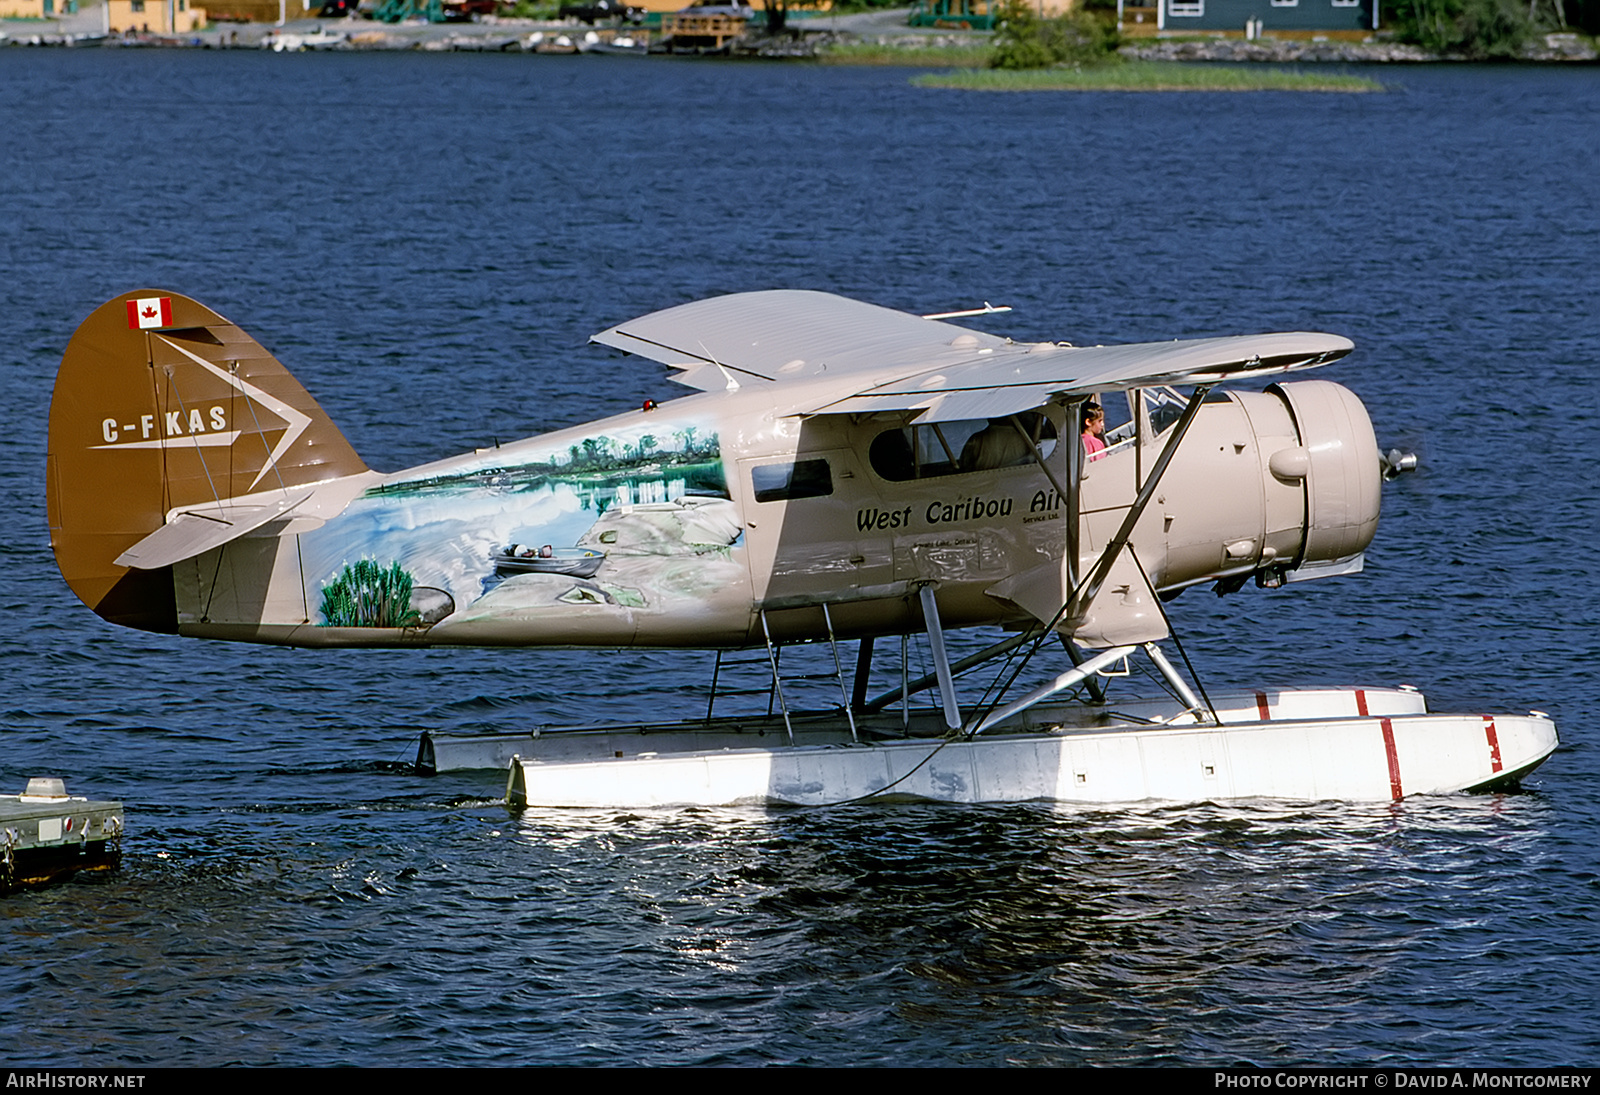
pixel 1093 423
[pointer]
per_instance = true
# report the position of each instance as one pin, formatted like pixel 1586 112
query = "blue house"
pixel 1293 16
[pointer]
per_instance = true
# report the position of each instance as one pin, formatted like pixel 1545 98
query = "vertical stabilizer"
pixel 161 403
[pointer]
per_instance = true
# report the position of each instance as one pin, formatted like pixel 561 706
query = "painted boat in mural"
pixel 572 562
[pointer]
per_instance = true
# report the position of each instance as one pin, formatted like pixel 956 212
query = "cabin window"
pixel 949 448
pixel 1347 3
pixel 801 479
pixel 1186 7
pixel 1285 3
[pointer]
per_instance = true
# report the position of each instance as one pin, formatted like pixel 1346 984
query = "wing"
pixel 850 357
pixel 1023 377
pixel 789 335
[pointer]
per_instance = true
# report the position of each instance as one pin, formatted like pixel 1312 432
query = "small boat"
pixel 289 42
pixel 539 42
pixel 619 45
pixel 573 562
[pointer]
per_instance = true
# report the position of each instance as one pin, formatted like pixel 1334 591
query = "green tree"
pixel 1025 40
pixel 1480 29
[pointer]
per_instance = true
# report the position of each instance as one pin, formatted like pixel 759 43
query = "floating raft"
pixel 47 835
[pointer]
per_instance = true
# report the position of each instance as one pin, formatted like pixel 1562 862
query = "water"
pixel 427 241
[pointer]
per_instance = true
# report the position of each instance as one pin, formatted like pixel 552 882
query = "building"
pixel 36 9
pixel 154 16
pixel 261 11
pixel 1253 18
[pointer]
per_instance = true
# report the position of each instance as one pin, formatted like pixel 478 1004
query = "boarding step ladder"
pixel 777 699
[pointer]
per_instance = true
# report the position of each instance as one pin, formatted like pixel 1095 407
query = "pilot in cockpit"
pixel 1000 444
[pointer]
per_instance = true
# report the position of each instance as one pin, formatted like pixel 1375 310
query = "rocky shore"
pixel 1557 48
pixel 1571 48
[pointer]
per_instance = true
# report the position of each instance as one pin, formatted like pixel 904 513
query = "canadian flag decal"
pixel 149 312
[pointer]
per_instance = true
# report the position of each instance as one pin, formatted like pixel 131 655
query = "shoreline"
pixel 871 38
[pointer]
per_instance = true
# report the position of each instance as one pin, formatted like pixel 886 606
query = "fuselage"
pixel 683 524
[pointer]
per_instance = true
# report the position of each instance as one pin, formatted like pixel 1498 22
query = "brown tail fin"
pixel 161 403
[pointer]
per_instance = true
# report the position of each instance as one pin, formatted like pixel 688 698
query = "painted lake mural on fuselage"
pixel 637 518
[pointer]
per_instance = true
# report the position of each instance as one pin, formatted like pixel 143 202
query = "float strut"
pixel 1096 692
pixel 905 690
pixel 1066 680
pixel 987 654
pixel 1170 672
pixel 858 692
pixel 941 659
pixel 777 678
pixel 838 673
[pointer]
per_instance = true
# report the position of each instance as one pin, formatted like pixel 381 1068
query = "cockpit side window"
pixel 1119 412
pixel 1166 405
pixel 950 448
pixel 783 482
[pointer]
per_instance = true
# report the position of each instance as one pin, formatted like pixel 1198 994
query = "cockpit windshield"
pixel 1165 405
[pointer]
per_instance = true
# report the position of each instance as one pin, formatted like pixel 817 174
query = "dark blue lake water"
pixel 428 240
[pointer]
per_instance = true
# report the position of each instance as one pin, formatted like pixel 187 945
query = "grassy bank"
pixel 1147 76
pixel 869 53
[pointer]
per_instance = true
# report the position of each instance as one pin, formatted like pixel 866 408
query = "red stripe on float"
pixel 1263 707
pixel 1361 701
pixel 1494 742
pixel 1394 761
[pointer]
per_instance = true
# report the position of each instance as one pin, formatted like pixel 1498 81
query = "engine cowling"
pixel 1338 461
pixel 1282 484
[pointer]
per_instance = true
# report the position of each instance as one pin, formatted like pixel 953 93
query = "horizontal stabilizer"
pixel 198 529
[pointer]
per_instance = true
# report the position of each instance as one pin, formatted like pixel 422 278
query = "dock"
pixel 47 835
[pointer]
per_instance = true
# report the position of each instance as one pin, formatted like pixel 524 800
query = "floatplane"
pixel 846 472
